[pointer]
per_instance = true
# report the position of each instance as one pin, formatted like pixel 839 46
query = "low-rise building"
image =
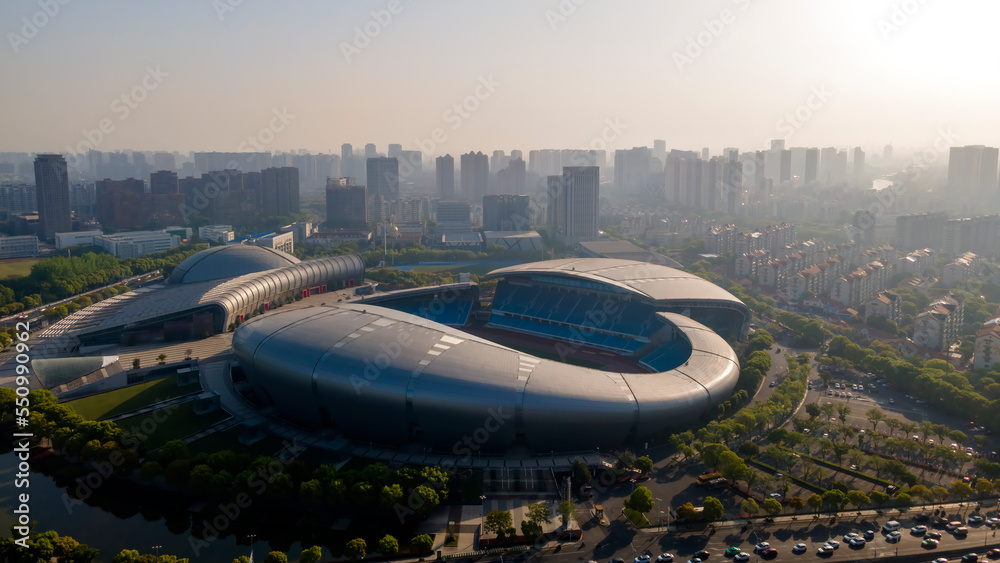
pixel 137 243
pixel 961 269
pixel 24 246
pixel 886 305
pixel 916 262
pixel 76 238
pixel 278 240
pixel 987 352
pixel 220 234
pixel 938 326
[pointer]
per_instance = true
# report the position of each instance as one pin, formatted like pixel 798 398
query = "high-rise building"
pixel 812 165
pixel 164 161
pixel 512 179
pixel 454 217
pixel 346 205
pixel 370 151
pixel 383 177
pixel 346 151
pixel 445 170
pixel 506 212
pixel 52 194
pixel 475 175
pixel 920 230
pixel 573 203
pixel 785 174
pixel 163 182
pixel 972 170
pixel 395 151
pixel 859 164
pixel 279 191
pixel 660 149
pixel 826 158
pixel 632 168
pixel 887 153
pixel 499 160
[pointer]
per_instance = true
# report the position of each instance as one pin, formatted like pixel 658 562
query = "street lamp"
pixel 660 511
pixel 157 548
pixel 633 484
pixel 482 514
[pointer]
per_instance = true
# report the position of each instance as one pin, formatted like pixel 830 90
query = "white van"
pixel 890 526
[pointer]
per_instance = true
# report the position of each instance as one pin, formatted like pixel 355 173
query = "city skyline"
pixel 446 78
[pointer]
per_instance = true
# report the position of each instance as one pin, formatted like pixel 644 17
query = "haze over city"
pixel 719 73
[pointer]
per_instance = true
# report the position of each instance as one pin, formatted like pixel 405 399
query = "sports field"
pixel 478 269
pixel 16 267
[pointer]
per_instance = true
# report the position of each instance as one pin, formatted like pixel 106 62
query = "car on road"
pixel 929 543
pixel 741 557
pixel 761 546
pixel 974 519
pixel 733 551
pixel 918 530
pixel 665 558
pixel 617 560
pixel 993 521
pixel 694 560
pixel 933 535
pixel 799 548
pixel 644 558
pixel 769 552
pixel 993 553
pixel 824 551
pixel 832 543
pixel 921 518
pixel 893 537
pixel 970 558
pixel 953 525
pixel 869 534
pixel 850 536
pixel 961 531
pixel 940 560
pixel 703 555
pixel 857 542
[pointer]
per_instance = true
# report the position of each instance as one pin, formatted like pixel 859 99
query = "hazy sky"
pixel 559 72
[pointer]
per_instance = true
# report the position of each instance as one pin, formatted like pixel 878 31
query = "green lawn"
pixel 130 398
pixel 229 440
pixel 16 267
pixel 638 519
pixel 178 423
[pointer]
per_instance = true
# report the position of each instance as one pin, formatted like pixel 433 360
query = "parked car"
pixel 929 543
pixel 893 537
pixel 799 548
pixel 918 530
pixel 833 543
pixel 665 558
pixel 769 552
pixel 970 558
pixel 975 519
pixel 741 557
pixel 733 551
pixel 857 542
pixel 644 558
pixel 703 555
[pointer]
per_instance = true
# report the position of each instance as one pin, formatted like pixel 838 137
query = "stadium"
pixel 572 355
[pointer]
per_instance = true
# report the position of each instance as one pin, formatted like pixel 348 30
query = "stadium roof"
pixel 228 261
pixel 659 283
pixel 53 372
pixel 626 250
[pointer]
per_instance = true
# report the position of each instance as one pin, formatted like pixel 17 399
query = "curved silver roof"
pixel 382 375
pixel 654 281
pixel 229 261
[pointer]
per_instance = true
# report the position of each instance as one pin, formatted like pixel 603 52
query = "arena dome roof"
pixel 229 261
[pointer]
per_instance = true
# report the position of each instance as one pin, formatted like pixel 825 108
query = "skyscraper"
pixel 475 176
pixel 163 182
pixel 511 180
pixel 812 165
pixel 370 151
pixel 279 191
pixel 859 164
pixel 383 177
pixel 887 153
pixel 445 170
pixel 973 170
pixel 52 193
pixel 573 202
pixel 346 205
pixel 506 212
pixel 395 151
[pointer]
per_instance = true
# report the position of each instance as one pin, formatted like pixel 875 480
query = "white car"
pixel 833 543
pixel 850 536
pixel 858 542
pixel 824 550
pixel 918 530
pixel 641 559
pixel 893 537
pixel 664 558
pixel 799 548
pixel 741 557
pixel 761 546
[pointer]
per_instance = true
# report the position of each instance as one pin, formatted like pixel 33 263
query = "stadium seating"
pixel 668 356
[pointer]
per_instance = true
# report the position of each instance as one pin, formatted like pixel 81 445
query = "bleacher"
pixel 454 313
pixel 668 356
pixel 575 316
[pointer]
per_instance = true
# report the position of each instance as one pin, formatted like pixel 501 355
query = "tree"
pixel 311 555
pixel 835 498
pixel 858 498
pixel 279 557
pixel 187 356
pixel 961 489
pixel 429 500
pixel 356 549
pixel 796 503
pixel 390 495
pixel 713 509
pixel 984 486
pixel 626 460
pixel 538 513
pixel 423 542
pixel 772 507
pixel 565 510
pixel 581 472
pixel 903 499
pixel 875 416
pixel 750 506
pixel 644 465
pixel 135 363
pixel 162 357
pixel 497 522
pixel 878 498
pixel 641 500
pixel 813 410
pixel 815 502
pixel 687 513
pixel 388 545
